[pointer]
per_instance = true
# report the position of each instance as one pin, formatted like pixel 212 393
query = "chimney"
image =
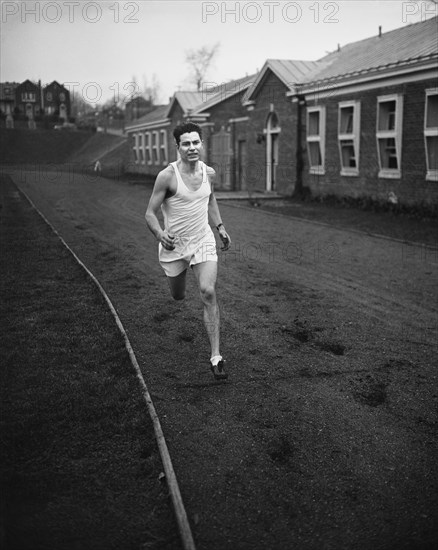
pixel 339 47
pixel 380 31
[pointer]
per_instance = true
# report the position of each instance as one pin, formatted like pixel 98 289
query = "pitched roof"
pixel 187 100
pixel 214 95
pixel 411 43
pixel 289 71
pixel 157 115
pixel 56 84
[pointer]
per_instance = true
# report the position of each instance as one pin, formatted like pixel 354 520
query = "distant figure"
pixel 98 167
pixel 184 192
pixel 392 198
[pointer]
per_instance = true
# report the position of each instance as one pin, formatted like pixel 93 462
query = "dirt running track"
pixel 325 436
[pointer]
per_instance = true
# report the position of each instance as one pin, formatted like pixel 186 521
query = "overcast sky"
pixel 101 46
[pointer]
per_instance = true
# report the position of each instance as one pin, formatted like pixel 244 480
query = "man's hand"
pixel 167 240
pixel 225 238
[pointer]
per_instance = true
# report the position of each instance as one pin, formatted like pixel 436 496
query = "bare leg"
pixel 178 286
pixel 206 274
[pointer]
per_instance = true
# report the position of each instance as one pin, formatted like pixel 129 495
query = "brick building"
pixel 150 141
pixel 271 126
pixel 360 122
pixel 371 118
pixel 217 110
pixel 223 119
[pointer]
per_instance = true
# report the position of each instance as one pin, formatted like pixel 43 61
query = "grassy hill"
pixel 23 146
pixel 109 149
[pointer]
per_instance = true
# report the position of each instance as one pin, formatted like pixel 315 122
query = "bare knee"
pixel 208 294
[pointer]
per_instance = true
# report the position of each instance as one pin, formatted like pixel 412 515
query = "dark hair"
pixel 184 128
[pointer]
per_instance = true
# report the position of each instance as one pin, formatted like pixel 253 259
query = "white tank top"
pixel 186 214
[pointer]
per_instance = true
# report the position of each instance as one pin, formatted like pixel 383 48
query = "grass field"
pixel 80 465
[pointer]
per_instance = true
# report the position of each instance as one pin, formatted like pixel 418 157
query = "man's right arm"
pixel 158 196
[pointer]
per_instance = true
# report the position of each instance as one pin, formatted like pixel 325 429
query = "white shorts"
pixel 174 262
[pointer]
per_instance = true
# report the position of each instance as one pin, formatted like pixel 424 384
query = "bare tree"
pixel 151 90
pixel 200 61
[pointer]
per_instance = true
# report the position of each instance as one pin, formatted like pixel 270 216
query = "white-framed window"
pixel 349 137
pixel 431 134
pixel 141 148
pixel 147 147
pixel 28 96
pixel 316 139
pixel 155 151
pixel 389 135
pixel 135 147
pixel 163 146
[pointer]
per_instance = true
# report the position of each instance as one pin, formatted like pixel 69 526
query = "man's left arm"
pixel 214 213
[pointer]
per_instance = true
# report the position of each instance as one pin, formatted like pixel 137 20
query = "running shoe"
pixel 218 371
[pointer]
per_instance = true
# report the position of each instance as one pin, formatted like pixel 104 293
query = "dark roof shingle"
pixel 409 43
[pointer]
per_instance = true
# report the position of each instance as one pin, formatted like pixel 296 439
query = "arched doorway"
pixel 272 138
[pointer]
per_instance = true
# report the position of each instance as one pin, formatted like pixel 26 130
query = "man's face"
pixel 190 146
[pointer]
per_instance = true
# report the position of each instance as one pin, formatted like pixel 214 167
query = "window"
pixel 141 148
pixel 147 147
pixel 316 139
pixel 163 146
pixel 28 96
pixel 349 137
pixel 389 135
pixel 155 155
pixel 431 134
pixel 135 148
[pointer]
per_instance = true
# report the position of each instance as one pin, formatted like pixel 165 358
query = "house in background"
pixel 7 102
pixel 371 118
pixel 56 100
pixel 137 108
pixel 28 99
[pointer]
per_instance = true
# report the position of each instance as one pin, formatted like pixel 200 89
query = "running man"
pixel 184 192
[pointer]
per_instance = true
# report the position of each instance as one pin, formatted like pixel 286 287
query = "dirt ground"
pixel 325 435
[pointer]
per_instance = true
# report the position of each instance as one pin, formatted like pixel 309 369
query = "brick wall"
pixel 272 92
pixel 220 115
pixel 412 187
